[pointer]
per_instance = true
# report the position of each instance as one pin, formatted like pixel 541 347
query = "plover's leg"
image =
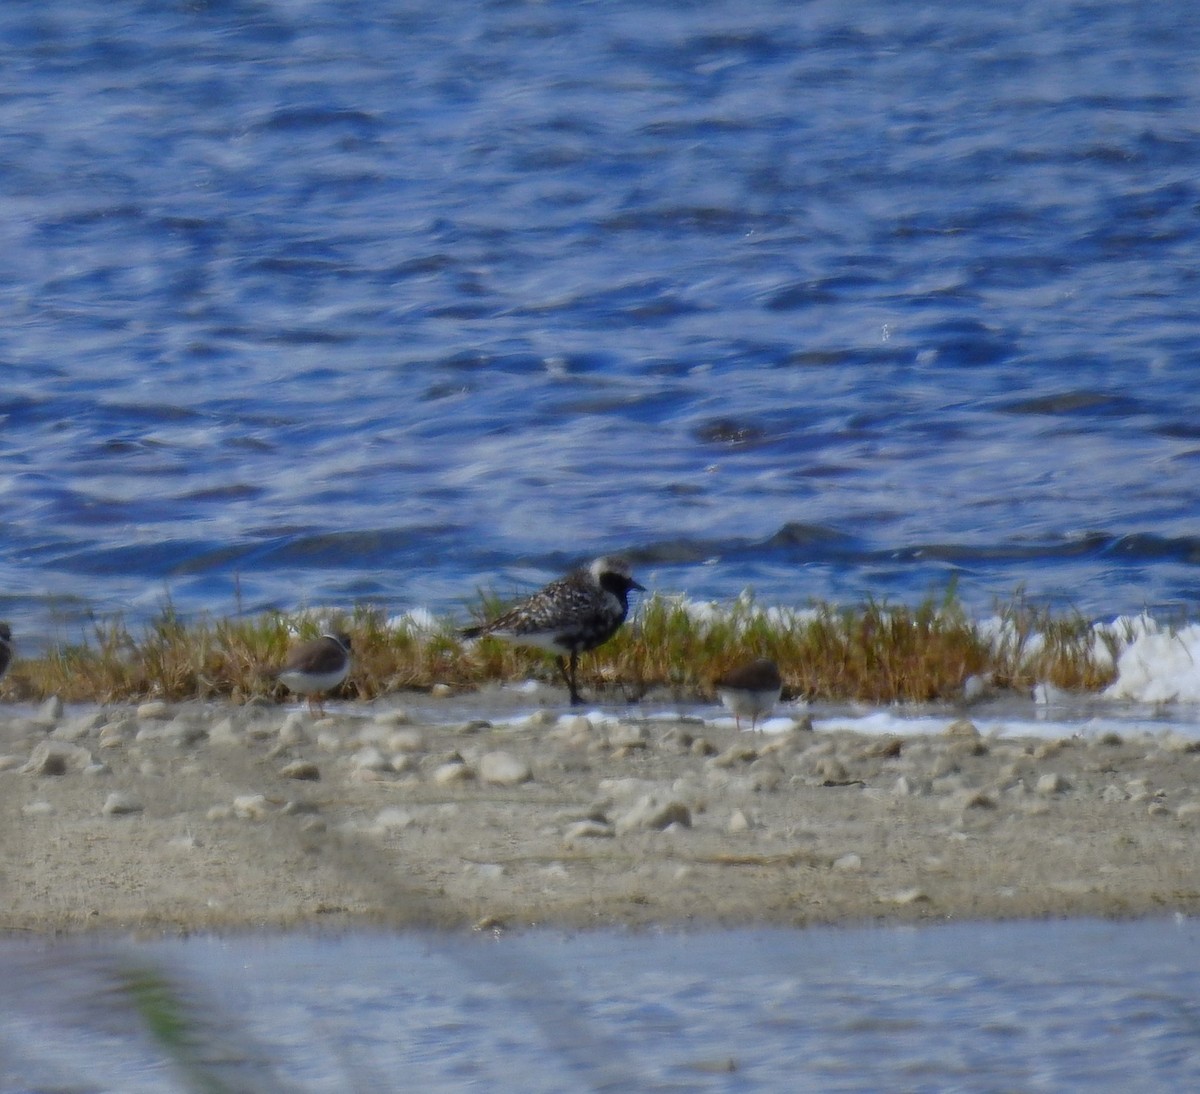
pixel 569 677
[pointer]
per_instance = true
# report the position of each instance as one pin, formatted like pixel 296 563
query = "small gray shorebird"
pixel 6 648
pixel 313 668
pixel 750 690
pixel 569 616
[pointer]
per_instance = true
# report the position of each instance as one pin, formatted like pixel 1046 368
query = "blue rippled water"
pixel 316 302
pixel 1031 1007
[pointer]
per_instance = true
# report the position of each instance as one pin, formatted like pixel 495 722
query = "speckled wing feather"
pixel 562 605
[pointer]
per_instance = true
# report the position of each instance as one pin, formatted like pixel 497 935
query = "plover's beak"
pixel 635 585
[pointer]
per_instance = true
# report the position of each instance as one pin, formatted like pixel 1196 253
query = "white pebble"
pixel 503 769
pixel 739 822
pixel 293 731
pixel 588 829
pixel 393 817
pixel 118 804
pixel 251 806
pixel 224 733
pixel 155 709
pixel 454 772
pixel 655 813
pixel 1052 783
pixel 405 740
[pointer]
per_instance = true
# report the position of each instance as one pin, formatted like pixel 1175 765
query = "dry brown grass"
pixel 875 652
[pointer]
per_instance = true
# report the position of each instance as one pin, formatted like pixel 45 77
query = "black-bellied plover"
pixel 6 648
pixel 313 668
pixel 750 690
pixel 569 616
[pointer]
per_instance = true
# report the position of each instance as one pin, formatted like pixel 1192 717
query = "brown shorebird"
pixel 750 690
pixel 313 668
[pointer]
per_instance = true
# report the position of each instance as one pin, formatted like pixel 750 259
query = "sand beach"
pixel 198 817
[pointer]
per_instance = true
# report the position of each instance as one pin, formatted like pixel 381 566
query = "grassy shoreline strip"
pixel 874 652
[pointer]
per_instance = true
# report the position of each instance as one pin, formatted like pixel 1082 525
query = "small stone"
pixel 10 763
pixel 655 813
pixel 975 687
pixel 943 765
pixel 588 829
pixel 503 769
pixel 740 821
pixel 294 731
pixel 449 774
pixel 629 736
pixel 393 818
pixel 1113 793
pixel 734 756
pixel 37 809
pixel 963 798
pixel 1189 810
pixel 766 776
pixel 261 730
pixel 251 806
pixel 181 732
pixel 887 749
pixel 370 759
pixel 1177 742
pixel 52 758
pixel 441 691
pixel 115 734
pixel 366 775
pixel 1052 783
pixel 78 728
pixel 850 863
pixel 301 769
pixel 156 709
pixel 905 787
pixel 223 733
pixel 297 808
pixel 398 716
pixel 1049 749
pixel 405 740
pixel 118 804
pixel 909 896
pixel 963 728
pixel 679 738
pixel 1158 809
pixel 97 769
pixel 831 769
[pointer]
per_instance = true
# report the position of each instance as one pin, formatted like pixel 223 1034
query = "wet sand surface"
pixel 198 817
